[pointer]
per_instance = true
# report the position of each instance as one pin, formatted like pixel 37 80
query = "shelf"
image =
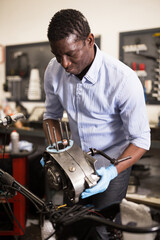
pixel 141 73
pixel 135 48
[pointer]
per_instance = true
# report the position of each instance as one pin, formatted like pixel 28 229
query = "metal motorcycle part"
pixel 72 170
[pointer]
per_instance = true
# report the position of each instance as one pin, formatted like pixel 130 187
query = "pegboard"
pixel 140 50
pixel 20 59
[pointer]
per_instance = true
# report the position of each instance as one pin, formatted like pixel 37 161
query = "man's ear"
pixel 91 40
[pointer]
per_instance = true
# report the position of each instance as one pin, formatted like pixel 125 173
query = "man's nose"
pixel 65 62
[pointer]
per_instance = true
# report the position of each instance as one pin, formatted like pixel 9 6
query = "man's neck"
pixel 83 73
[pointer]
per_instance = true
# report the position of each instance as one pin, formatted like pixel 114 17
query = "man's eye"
pixel 69 54
pixel 72 55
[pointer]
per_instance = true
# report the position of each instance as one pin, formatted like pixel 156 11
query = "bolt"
pixel 72 169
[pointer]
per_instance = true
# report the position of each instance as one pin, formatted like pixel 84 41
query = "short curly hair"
pixel 68 21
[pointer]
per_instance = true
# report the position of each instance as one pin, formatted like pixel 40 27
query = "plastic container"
pixel 15 141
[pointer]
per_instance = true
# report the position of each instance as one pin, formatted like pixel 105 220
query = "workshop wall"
pixel 26 21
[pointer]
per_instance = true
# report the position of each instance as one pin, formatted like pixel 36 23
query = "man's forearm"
pixel 135 152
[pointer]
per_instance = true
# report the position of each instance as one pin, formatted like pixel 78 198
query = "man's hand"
pixel 107 174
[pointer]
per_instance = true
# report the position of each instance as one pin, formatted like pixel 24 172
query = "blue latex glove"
pixel 42 162
pixel 107 174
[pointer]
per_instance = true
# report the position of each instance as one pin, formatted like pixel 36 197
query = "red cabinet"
pixel 18 202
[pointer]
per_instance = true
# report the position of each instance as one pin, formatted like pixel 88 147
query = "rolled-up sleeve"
pixel 54 109
pixel 133 112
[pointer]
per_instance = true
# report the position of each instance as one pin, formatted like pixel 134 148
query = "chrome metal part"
pixel 55 138
pixel 67 133
pixel 71 170
pixel 61 129
pixel 68 168
pixel 49 134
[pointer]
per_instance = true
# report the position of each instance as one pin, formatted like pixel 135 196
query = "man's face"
pixel 74 55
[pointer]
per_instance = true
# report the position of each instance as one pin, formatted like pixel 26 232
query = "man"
pixel 104 101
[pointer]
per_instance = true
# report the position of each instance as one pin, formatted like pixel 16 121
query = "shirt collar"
pixel 92 73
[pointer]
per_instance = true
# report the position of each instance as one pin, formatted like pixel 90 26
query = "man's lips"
pixel 68 70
